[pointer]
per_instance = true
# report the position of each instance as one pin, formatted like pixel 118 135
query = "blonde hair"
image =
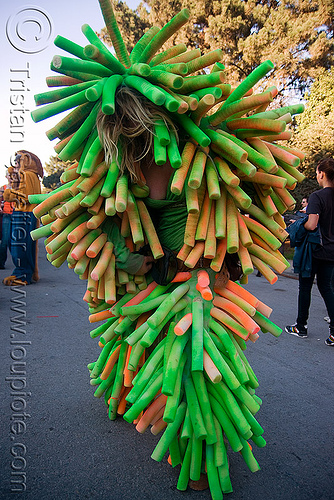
pixel 127 135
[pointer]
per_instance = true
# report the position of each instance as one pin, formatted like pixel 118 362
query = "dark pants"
pixel 5 238
pixel 324 271
pixel 23 248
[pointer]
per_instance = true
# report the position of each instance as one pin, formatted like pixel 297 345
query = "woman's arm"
pixel 311 222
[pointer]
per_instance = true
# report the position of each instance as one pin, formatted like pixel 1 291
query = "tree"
pixel 54 168
pixel 297 35
pixel 314 132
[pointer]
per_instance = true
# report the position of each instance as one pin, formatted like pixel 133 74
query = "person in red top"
pixel 6 210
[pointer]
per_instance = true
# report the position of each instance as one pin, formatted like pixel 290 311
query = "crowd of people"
pixel 18 220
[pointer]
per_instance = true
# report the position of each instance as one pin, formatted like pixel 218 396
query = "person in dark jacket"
pixel 320 212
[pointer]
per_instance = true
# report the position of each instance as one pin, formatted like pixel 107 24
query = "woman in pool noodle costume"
pixel 180 173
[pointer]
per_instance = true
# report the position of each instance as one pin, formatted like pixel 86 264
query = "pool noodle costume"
pixel 172 356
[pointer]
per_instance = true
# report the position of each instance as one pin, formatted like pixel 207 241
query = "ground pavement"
pixel 67 448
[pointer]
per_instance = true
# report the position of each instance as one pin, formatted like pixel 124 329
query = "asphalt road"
pixel 65 447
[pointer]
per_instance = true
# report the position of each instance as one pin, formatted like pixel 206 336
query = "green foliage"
pixel 55 167
pixel 315 127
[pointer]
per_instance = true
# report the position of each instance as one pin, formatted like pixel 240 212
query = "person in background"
pixel 23 248
pixel 304 204
pixel 320 210
pixel 6 210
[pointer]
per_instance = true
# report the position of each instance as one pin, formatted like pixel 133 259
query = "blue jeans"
pixel 324 270
pixel 23 248
pixel 5 238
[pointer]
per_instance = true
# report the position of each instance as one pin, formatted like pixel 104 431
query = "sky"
pixel 26 41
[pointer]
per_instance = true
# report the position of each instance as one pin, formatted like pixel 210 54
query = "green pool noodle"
pixel 212 181
pixel 231 349
pixel 193 83
pixel 187 429
pixel 146 88
pixel 110 180
pixel 139 69
pixel 74 75
pixel 224 478
pixel 169 434
pixel 92 154
pixel 90 198
pixel 95 91
pixel 155 319
pixel 171 103
pixel 184 475
pixel 145 398
pixel 269 223
pixel 162 133
pixel 290 180
pixel 197 334
pixel 95 381
pixel 194 409
pixel 174 451
pixel 123 326
pixel 267 325
pixel 113 405
pixel 174 400
pixel 59 261
pixel 101 55
pixel 142 43
pixel 259 441
pixel 254 424
pixel 73 204
pixel 217 92
pixel 160 152
pixel 170 337
pixel 96 332
pixel 253 381
pixel 56 95
pixel 243 395
pixel 102 359
pixel 225 423
pixel 195 132
pixel 173 152
pixel 70 47
pixel 197 170
pixel 253 156
pixel 81 265
pixel 180 69
pixel 79 65
pixel 241 198
pixel 229 377
pixel 137 334
pixel 115 309
pixel 173 51
pixel 151 363
pixel 196 458
pixel 59 106
pixel 228 145
pixel 108 96
pixel 79 137
pixel 237 416
pixel 61 238
pixel 105 384
pixel 219 450
pixel 121 193
pixel 64 249
pixel 151 334
pixel 213 477
pixel 138 309
pixel 161 77
pixel 273 114
pixel 118 382
pixel 114 32
pixel 248 456
pixel 205 60
pixel 135 355
pixel 71 122
pixel 107 394
pixel 203 399
pixel 174 359
pixel 163 35
pixel 293 171
pixel 249 82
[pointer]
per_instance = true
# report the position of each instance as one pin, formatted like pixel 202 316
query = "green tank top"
pixel 169 217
